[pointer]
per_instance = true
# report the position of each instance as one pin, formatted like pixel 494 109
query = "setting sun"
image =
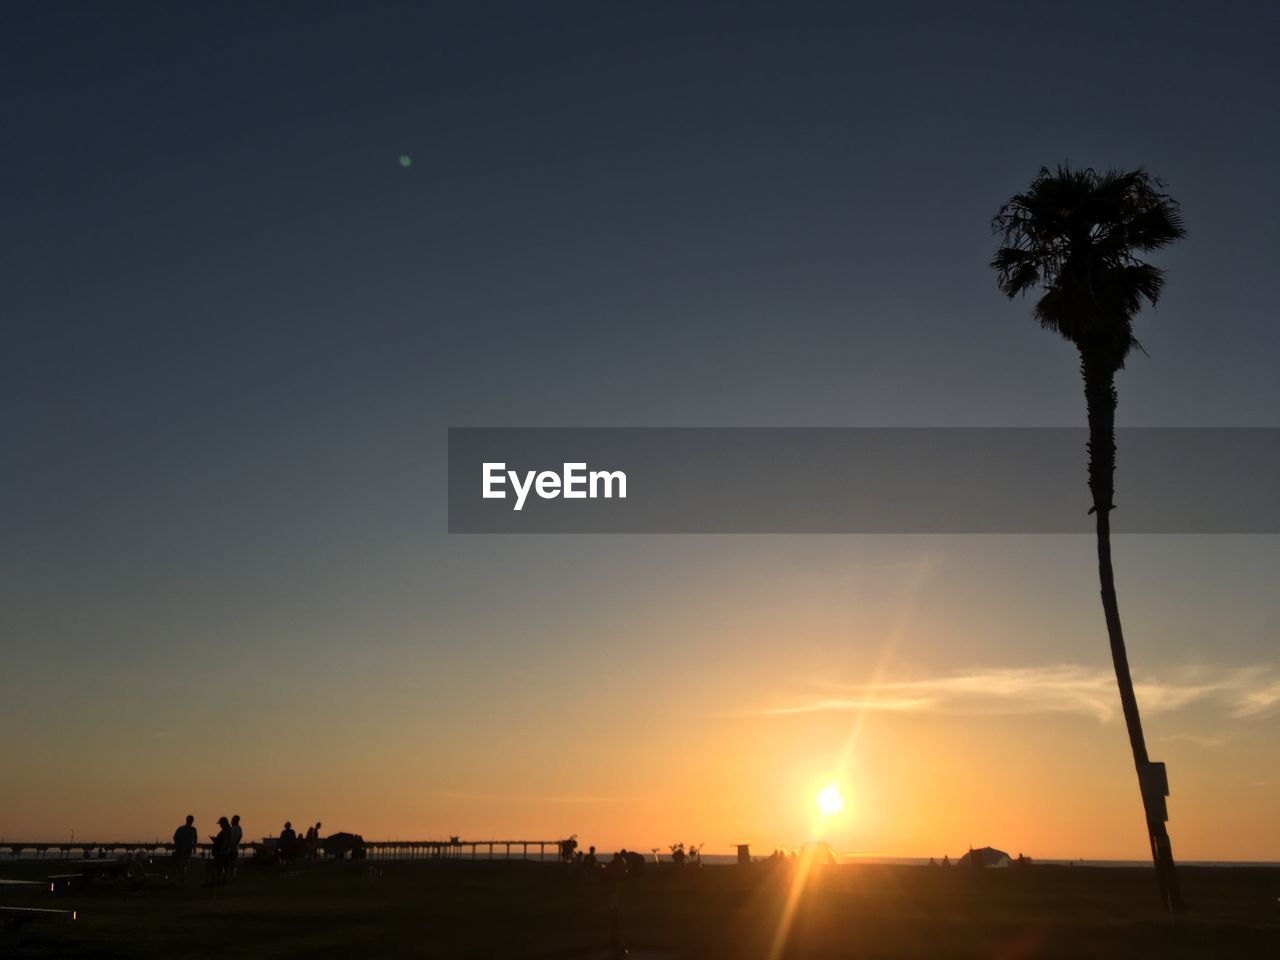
pixel 829 800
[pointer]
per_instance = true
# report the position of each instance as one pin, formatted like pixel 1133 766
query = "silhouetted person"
pixel 233 854
pixel 313 841
pixel 287 842
pixel 590 861
pixel 184 845
pixel 221 851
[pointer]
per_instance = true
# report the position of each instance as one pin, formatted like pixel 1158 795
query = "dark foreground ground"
pixel 329 910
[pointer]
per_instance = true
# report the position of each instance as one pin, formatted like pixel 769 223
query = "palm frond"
pixel 1075 234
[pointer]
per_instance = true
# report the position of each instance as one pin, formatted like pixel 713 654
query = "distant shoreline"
pixel 729 859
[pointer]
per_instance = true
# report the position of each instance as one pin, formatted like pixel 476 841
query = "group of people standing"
pixel 225 848
pixel 290 846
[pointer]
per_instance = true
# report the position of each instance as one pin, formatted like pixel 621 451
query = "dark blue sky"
pixel 216 273
pixel 235 328
pixel 686 213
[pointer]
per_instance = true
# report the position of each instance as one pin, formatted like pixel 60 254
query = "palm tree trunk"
pixel 1100 397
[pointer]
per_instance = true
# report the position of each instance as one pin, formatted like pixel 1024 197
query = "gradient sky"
pixel 236 328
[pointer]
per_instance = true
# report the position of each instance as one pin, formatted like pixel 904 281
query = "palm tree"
pixel 1073 236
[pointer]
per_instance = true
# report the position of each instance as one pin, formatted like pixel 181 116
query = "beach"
pixel 662 481
pixel 461 909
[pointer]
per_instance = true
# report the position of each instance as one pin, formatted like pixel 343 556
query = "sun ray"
pixel 794 894
pixel 901 620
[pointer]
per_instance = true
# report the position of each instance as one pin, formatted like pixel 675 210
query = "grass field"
pixel 460 909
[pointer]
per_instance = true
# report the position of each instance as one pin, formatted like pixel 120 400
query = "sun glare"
pixel 829 800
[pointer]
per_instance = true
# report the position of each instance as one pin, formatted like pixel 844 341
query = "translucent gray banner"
pixel 855 480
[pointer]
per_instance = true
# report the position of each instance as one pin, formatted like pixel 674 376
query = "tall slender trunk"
pixel 1100 397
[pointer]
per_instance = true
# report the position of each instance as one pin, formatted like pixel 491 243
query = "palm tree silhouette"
pixel 1073 236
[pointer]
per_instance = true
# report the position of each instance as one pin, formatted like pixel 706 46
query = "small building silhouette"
pixel 344 846
pixel 985 857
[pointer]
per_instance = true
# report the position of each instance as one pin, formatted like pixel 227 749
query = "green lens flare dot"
pixel 405 160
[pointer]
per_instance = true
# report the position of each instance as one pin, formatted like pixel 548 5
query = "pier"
pixel 450 849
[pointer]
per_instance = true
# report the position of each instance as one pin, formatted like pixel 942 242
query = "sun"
pixel 829 800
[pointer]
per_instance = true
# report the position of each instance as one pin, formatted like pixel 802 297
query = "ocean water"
pixel 724 859
pixel 711 859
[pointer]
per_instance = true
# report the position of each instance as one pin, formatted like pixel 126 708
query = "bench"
pixel 63 881
pixel 107 871
pixel 26 885
pixel 17 916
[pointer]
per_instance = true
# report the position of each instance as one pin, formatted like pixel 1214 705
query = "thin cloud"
pixel 1259 702
pixel 1207 741
pixel 1062 688
pixel 507 798
pixel 845 704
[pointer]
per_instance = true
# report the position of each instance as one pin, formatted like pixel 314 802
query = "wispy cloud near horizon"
pixel 506 798
pixel 1061 688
